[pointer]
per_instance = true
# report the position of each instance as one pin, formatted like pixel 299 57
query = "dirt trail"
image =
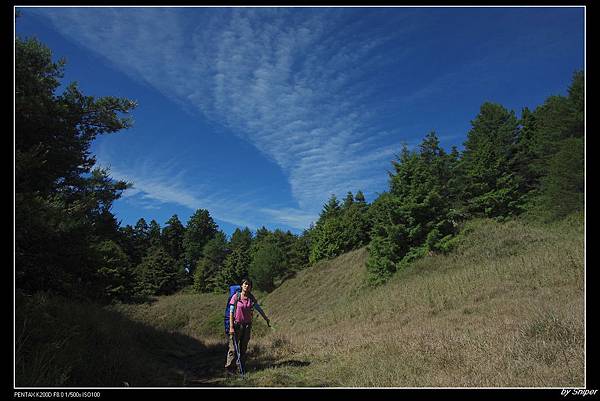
pixel 205 369
pixel 197 365
pixel 193 362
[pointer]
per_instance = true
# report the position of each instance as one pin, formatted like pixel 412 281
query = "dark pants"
pixel 242 333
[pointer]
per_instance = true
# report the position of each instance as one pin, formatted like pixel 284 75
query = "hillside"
pixel 506 308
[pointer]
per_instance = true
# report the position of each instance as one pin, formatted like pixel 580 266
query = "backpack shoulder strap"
pixel 234 299
pixel 252 300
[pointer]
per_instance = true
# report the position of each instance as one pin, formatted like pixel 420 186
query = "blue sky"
pixel 259 114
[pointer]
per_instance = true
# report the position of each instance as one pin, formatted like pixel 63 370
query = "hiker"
pixel 240 324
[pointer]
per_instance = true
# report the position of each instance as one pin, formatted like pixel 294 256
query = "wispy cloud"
pixel 292 82
pixel 156 184
pixel 162 182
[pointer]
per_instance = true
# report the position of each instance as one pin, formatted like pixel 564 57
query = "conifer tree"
pixel 200 229
pixel 525 163
pixel 266 265
pixel 416 215
pixel 154 233
pixel 62 202
pixel 356 225
pixel 261 234
pixel 328 239
pixel 172 241
pixel 348 201
pixel 141 240
pixel 330 209
pixel 214 252
pixel 493 190
pixel 115 275
pixel 142 232
pixel 299 253
pixel 237 261
pixel 360 197
pixel 559 149
pixel 172 238
pixel 157 274
pixel 340 228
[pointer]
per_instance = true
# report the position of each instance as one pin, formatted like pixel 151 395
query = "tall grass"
pixel 194 315
pixel 505 309
pixel 63 343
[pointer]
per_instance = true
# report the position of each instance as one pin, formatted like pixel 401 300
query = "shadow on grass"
pixel 258 361
pixel 60 342
pixel 267 363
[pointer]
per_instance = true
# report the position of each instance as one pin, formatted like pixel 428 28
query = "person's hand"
pixel 231 330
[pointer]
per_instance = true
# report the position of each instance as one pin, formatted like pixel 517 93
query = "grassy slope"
pixel 505 309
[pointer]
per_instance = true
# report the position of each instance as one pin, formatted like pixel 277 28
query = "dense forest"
pixel 68 242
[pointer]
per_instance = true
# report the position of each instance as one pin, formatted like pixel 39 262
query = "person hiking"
pixel 240 325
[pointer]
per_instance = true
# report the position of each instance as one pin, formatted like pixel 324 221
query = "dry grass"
pixel 191 314
pixel 504 310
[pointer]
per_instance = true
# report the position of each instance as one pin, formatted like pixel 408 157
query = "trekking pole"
pixel 236 345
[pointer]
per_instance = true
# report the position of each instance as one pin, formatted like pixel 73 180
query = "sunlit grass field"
pixel 504 309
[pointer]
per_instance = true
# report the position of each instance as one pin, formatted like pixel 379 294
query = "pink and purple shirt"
pixel 243 310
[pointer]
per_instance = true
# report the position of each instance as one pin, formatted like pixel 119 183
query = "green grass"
pixel 504 309
pixel 194 315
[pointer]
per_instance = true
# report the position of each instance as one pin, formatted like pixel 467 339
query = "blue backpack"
pixel 233 290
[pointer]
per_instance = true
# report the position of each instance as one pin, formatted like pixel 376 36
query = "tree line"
pixel 67 240
pixel 199 255
pixel 529 166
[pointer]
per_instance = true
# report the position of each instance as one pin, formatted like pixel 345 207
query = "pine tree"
pixel 115 276
pixel 356 226
pixel 142 232
pixel 299 253
pixel 559 148
pixel 340 228
pixel 416 215
pixel 266 265
pixel 141 240
pixel 388 238
pixel 62 203
pixel 172 238
pixel 563 187
pixel 493 190
pixel 200 229
pixel 526 162
pixel 209 266
pixel 154 233
pixel 237 261
pixel 360 197
pixel 157 274
pixel 348 201
pixel 328 239
pixel 330 209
